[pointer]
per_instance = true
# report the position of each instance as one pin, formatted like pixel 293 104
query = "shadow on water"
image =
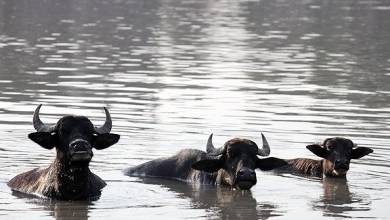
pixel 219 202
pixel 59 210
pixel 337 200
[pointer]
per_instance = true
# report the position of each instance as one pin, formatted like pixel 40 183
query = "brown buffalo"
pixel 336 152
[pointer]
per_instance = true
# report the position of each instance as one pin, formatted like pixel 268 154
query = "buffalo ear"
pixel 208 165
pixel 270 163
pixel 360 152
pixel 318 150
pixel 103 141
pixel 47 140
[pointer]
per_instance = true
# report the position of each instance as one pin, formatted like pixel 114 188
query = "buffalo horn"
pixel 211 150
pixel 265 150
pixel 38 124
pixel 106 127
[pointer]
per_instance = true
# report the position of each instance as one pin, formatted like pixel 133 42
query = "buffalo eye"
pixel 348 153
pixel 331 147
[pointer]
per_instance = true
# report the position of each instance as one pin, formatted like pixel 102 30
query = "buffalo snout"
pixel 341 165
pixel 80 150
pixel 246 174
pixel 246 178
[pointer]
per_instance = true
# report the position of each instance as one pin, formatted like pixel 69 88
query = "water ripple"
pixel 171 72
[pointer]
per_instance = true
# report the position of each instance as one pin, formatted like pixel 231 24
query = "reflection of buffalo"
pixel 60 210
pixel 220 202
pixel 336 153
pixel 68 177
pixel 233 164
pixel 337 199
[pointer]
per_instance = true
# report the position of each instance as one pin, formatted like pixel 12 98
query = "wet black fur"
pixel 65 179
pixel 195 166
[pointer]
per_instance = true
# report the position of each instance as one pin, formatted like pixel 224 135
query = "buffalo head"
pixel 338 153
pixel 237 160
pixel 73 137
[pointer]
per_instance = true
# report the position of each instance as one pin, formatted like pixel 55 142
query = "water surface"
pixel 171 72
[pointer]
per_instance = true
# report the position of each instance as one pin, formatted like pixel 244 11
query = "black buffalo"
pixel 69 176
pixel 336 152
pixel 233 164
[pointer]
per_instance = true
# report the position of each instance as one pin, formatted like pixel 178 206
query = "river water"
pixel 171 72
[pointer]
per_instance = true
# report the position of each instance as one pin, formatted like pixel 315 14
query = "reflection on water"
pixel 59 210
pixel 221 202
pixel 171 72
pixel 338 201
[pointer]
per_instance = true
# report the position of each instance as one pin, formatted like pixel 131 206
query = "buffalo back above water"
pixel 233 164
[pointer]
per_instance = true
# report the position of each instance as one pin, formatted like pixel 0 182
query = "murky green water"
pixel 171 72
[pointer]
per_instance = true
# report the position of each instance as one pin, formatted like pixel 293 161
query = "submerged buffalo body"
pixel 69 176
pixel 233 164
pixel 336 152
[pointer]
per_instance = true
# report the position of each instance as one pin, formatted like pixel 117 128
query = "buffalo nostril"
pixel 341 164
pixel 76 145
pixel 245 173
pixel 338 163
pixel 344 166
pixel 79 145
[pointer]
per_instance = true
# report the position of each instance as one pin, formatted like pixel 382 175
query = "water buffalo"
pixel 233 164
pixel 336 152
pixel 69 176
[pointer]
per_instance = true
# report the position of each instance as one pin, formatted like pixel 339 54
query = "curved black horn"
pixel 210 146
pixel 38 124
pixel 265 150
pixel 106 127
pixel 211 150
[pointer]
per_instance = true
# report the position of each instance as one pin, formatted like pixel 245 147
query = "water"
pixel 171 72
